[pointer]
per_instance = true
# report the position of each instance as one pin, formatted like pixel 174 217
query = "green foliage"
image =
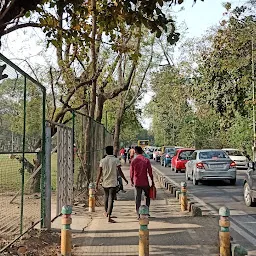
pixel 225 70
pixel 212 107
pixel 12 110
pixel 130 128
pixel 112 17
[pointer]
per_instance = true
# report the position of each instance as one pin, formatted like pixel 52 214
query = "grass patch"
pixel 10 174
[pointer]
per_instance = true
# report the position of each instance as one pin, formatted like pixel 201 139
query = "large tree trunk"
pixel 99 108
pixel 119 118
pixel 93 58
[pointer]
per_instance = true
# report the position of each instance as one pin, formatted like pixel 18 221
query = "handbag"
pixel 152 192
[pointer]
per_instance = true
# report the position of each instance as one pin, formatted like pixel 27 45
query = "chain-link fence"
pixel 22 152
pixel 90 140
pixel 22 118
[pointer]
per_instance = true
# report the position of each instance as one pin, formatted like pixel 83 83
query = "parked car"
pixel 180 159
pixel 156 154
pixel 167 154
pixel 210 164
pixel 237 156
pixel 250 185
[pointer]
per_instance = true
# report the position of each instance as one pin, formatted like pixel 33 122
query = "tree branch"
pixel 137 94
pixel 7 9
pixel 53 94
pixel 125 87
pixel 18 26
pixel 112 70
pixel 72 92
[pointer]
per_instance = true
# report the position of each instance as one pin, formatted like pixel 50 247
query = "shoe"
pixel 111 220
pixel 123 191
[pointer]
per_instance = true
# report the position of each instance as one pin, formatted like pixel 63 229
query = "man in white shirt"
pixel 109 168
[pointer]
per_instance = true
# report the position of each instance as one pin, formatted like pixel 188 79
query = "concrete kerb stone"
pixel 196 211
pixel 177 194
pixel 238 250
pixel 190 203
pixel 172 188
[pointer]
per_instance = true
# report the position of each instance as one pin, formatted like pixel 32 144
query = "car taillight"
pixel 200 165
pixel 233 164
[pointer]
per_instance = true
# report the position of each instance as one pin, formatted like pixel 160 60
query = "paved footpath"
pixel 171 232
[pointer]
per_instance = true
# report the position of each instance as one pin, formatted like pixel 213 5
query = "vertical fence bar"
pixel 23 155
pixel 43 159
pixel 48 144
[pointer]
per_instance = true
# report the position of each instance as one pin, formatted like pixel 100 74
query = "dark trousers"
pixel 138 193
pixel 109 196
pixel 120 182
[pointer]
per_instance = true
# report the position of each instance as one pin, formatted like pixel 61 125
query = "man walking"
pixel 109 166
pixel 140 169
pixel 131 153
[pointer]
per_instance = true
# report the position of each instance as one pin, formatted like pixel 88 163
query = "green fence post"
pixel 43 160
pixel 23 155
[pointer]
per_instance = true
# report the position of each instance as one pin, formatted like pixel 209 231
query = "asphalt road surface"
pixel 214 194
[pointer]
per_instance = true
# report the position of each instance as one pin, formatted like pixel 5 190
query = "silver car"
pixel 210 164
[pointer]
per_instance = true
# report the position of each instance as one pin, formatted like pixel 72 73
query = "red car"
pixel 180 159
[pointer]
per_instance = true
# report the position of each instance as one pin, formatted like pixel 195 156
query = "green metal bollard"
pixel 66 242
pixel 144 232
pixel 224 234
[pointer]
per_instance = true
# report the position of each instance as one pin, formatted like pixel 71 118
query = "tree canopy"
pixel 214 77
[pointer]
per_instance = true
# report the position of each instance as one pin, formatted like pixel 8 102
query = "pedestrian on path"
pixel 131 153
pixel 140 169
pixel 108 171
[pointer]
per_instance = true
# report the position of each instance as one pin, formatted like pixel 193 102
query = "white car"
pixel 156 154
pixel 238 157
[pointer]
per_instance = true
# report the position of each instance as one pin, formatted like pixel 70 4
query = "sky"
pixel 198 18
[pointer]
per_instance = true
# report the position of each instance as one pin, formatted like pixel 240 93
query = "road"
pixel 213 195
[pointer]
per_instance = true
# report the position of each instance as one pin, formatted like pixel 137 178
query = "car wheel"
pixel 187 177
pixel 233 182
pixel 195 182
pixel 247 195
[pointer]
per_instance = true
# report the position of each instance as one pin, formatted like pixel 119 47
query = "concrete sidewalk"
pixel 171 232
